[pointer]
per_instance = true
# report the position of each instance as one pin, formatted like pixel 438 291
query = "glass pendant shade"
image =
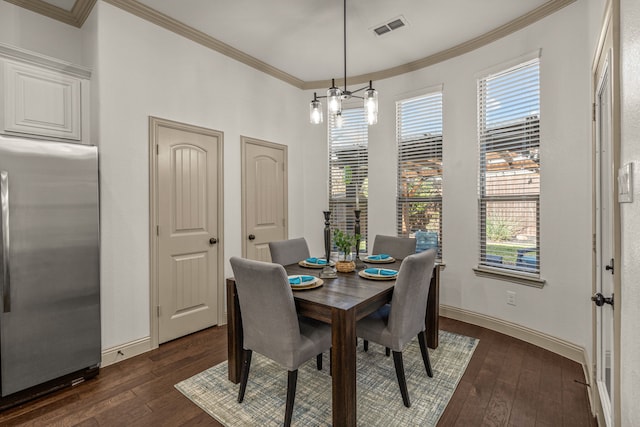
pixel 334 100
pixel 315 112
pixel 371 105
pixel 335 95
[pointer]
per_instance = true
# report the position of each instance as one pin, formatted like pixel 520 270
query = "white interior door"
pixel 188 198
pixel 264 195
pixel 605 253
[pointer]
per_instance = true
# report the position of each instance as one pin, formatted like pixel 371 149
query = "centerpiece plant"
pixel 344 242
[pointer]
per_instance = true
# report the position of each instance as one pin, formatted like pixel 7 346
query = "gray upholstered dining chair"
pixel 395 325
pixel 397 247
pixel 285 252
pixel 271 325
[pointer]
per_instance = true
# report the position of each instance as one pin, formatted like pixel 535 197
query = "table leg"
pixel 432 320
pixel 343 363
pixel 234 332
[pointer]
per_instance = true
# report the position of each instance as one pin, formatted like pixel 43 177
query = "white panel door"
pixel 264 197
pixel 605 253
pixel 187 195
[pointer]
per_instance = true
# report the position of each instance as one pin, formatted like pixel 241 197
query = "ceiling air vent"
pixel 392 24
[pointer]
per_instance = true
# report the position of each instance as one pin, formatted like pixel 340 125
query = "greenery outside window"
pixel 419 193
pixel 348 177
pixel 509 178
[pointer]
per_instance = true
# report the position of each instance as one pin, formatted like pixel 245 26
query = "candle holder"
pixel 356 230
pixel 327 272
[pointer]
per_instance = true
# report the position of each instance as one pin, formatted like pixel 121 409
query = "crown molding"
pixel 82 8
pixel 145 12
pixel 511 27
pixel 75 17
pixel 182 29
pixel 25 56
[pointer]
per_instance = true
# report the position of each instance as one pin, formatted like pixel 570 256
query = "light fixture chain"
pixel 345 44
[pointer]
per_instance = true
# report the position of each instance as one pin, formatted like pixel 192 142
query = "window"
pixel 419 194
pixel 509 179
pixel 348 163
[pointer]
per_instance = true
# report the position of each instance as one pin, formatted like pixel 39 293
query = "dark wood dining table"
pixel 340 302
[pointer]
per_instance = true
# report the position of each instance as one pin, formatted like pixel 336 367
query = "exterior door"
pixel 188 253
pixel 264 196
pixel 606 266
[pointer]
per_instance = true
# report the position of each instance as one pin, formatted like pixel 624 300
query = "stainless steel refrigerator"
pixel 49 261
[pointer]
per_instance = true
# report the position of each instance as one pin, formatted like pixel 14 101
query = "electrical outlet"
pixel 511 298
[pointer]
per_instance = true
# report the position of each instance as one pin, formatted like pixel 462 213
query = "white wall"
pixel 22 28
pixel 562 308
pixel 145 71
pixel 141 70
pixel 629 301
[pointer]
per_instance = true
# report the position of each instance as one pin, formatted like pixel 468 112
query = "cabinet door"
pixel 41 102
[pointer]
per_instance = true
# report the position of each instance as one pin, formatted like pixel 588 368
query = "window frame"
pixel 356 134
pixel 426 155
pixel 517 133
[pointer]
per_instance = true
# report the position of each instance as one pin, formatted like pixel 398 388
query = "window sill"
pixel 500 274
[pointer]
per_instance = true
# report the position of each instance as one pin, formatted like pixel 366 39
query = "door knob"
pixel 213 241
pixel 600 299
pixel 252 237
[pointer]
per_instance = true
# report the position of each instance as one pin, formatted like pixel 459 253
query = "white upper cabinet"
pixel 43 97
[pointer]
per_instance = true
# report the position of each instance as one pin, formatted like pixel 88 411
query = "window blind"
pixel 348 165
pixel 419 192
pixel 509 172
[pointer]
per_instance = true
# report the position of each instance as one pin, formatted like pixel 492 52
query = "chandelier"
pixel 335 95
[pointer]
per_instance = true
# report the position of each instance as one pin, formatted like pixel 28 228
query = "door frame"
pixel 244 141
pixel 608 44
pixel 154 124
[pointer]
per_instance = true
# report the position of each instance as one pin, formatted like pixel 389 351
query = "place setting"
pixel 314 262
pixel 379 259
pixel 379 273
pixel 301 282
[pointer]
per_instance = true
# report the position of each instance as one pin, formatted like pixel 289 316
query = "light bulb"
pixel 315 112
pixel 372 118
pixel 334 100
pixel 371 105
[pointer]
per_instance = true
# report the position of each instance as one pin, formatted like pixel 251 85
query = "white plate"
pixel 310 280
pixel 368 275
pixel 379 261
pixel 309 284
pixel 304 263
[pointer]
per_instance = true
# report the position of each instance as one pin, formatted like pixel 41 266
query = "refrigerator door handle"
pixel 6 278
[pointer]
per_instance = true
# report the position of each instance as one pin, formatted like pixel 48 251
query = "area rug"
pixel 379 402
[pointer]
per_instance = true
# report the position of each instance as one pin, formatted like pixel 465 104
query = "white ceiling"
pixel 304 38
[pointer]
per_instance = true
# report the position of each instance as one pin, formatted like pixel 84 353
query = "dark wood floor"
pixel 507 383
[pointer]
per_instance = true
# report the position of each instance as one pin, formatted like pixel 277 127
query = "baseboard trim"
pixel 548 342
pixel 125 351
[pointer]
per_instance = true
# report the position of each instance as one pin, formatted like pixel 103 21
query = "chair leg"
pixel 319 362
pixel 387 351
pixel 425 354
pixel 292 380
pixel 244 373
pixel 366 345
pixel 397 362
